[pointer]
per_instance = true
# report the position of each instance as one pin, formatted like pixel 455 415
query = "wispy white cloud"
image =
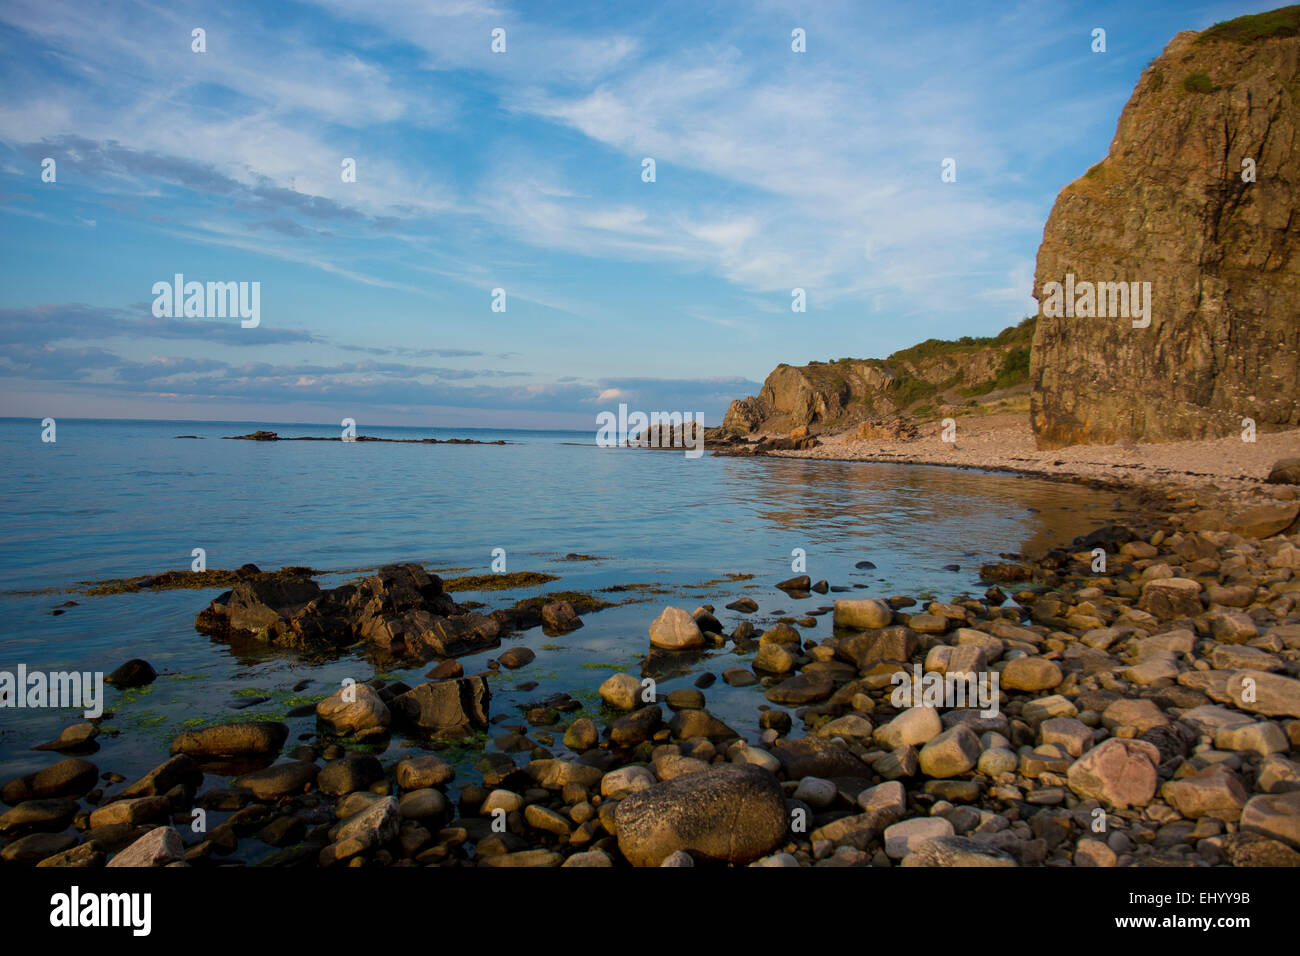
pixel 522 170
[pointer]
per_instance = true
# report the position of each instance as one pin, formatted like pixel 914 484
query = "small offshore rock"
pixel 675 630
pixel 621 691
pixel 134 673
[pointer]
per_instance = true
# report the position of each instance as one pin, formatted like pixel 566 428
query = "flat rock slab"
pixel 956 851
pixel 280 780
pixel 802 689
pixel 258 737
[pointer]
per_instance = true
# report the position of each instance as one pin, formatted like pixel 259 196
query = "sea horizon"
pixel 271 425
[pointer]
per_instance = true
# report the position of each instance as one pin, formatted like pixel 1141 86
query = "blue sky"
pixel 522 170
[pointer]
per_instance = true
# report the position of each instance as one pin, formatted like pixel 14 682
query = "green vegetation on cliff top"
pixel 1283 22
pixel 930 348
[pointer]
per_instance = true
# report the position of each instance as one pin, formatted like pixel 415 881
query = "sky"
pixel 523 170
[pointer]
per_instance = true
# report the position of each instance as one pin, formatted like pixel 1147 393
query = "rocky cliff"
pixel 1174 204
pixel 824 395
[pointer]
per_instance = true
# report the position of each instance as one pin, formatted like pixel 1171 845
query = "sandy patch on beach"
pixel 1003 442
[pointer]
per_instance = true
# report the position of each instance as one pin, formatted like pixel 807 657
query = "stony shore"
pixel 1148 713
pixel 1005 442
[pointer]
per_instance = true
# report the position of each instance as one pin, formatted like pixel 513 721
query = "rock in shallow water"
pixel 257 737
pixel 77 738
pixel 280 780
pixel 676 630
pixel 349 774
pixel 621 691
pixel 802 689
pixel 138 810
pixel 516 657
pixel 582 734
pixel 447 708
pixel 67 778
pixel 554 774
pixel 417 773
pixel 861 615
pixel 134 673
pixel 738 677
pixel 354 711
pixel 48 814
pixel 180 770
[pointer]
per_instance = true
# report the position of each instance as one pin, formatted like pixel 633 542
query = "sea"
pixel 114 499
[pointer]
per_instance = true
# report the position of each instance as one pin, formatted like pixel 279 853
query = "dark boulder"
pixel 449 708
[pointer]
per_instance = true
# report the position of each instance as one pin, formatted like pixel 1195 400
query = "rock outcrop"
pixel 1172 204
pixel 845 392
pixel 401 609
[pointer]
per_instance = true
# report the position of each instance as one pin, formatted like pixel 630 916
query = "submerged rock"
pixel 77 738
pixel 134 673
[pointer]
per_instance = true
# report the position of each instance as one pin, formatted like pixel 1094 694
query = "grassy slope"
pixel 1283 22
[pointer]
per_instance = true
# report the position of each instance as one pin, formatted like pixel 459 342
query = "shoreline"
pixel 1121 693
pixel 1004 442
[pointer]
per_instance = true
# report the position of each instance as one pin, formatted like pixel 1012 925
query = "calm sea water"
pixel 117 498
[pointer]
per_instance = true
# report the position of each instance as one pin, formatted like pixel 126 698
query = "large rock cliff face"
pixel 1168 205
